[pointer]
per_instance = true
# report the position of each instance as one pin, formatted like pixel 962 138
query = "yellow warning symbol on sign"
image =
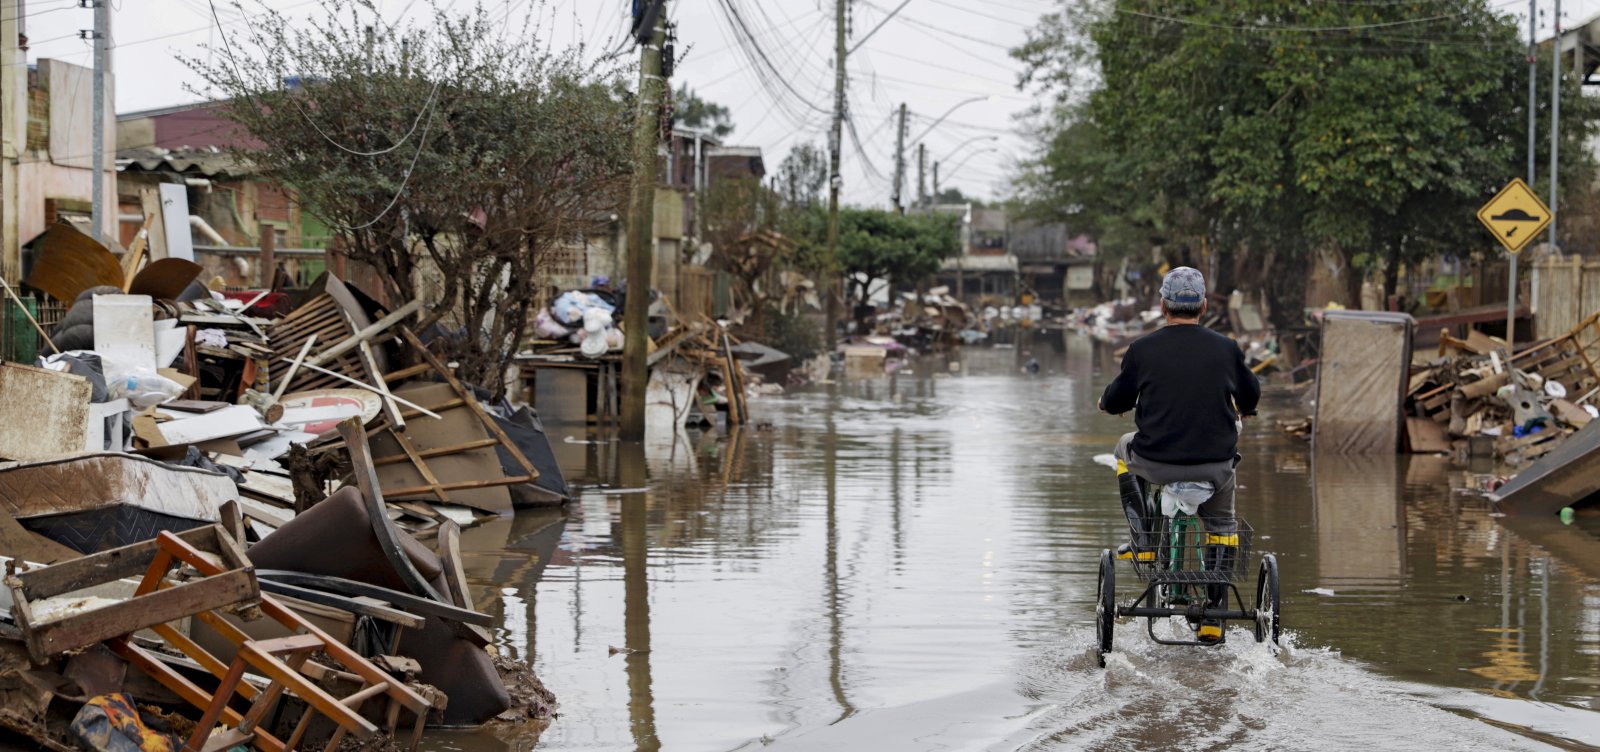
pixel 1515 215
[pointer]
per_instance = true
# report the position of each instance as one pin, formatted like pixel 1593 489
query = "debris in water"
pixel 1318 591
pixel 613 650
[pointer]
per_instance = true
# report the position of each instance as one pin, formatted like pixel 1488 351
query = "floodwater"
pixel 909 563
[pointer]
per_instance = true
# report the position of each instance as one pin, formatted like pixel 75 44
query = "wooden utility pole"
pixel 900 161
pixel 922 182
pixel 641 223
pixel 835 136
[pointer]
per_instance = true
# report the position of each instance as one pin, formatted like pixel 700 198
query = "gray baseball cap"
pixel 1183 285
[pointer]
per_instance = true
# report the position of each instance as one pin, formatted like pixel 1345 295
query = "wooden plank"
pixel 147 662
pixel 333 648
pixel 407 372
pixel 435 452
pixel 455 574
pixel 112 564
pixel 463 485
pixel 472 402
pixel 101 624
pixel 419 463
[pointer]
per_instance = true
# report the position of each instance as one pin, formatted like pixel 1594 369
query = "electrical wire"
pixel 427 105
pixel 405 181
pixel 1294 29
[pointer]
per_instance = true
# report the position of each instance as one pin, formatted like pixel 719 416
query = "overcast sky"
pixel 935 55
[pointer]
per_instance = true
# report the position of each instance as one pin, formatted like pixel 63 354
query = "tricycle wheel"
pixel 1267 600
pixel 1105 609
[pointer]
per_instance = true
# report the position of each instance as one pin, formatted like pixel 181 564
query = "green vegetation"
pixel 1363 134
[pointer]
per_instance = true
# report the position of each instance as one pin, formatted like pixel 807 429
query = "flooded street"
pixel 910 563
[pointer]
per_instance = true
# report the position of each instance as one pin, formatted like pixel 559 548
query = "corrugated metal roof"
pixel 201 162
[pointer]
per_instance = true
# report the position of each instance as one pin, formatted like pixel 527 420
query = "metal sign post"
pixel 1515 216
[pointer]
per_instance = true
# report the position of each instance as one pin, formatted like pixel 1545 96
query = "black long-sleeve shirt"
pixel 1187 386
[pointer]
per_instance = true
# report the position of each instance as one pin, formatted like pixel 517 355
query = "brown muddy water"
pixel 909 563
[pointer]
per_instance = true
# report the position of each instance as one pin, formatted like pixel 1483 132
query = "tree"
pixel 802 175
pixel 699 114
pixel 1278 132
pixel 877 245
pixel 741 218
pixel 448 155
pixel 954 195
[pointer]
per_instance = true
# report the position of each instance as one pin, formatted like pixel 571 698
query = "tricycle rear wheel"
pixel 1267 600
pixel 1105 610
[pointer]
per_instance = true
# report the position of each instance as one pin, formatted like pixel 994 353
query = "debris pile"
pixel 698 369
pixel 234 519
pixel 1474 400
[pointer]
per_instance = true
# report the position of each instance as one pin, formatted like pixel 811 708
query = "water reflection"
pixel 912 557
pixel 636 596
pixel 1359 521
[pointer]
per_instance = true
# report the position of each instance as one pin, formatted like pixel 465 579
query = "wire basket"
pixel 1182 550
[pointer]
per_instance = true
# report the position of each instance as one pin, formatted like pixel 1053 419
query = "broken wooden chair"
pixel 226 580
pixel 284 675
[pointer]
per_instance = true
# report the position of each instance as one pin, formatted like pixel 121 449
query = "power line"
pixel 427 105
pixel 1293 29
pixel 940 29
pixel 965 9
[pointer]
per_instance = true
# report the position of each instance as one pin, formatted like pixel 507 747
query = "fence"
pixel 695 292
pixel 19 341
pixel 1565 291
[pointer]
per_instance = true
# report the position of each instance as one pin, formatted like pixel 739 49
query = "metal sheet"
pixel 1566 476
pixel 67 262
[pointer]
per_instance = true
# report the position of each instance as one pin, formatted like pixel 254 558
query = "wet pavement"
pixel 909 562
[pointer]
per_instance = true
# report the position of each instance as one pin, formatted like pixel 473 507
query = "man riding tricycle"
pixel 1190 391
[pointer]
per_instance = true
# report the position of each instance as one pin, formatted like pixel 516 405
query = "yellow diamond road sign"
pixel 1515 215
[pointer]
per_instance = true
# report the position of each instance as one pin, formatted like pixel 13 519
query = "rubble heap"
pixel 1474 400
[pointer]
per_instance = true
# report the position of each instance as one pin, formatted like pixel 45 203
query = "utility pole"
pixel 900 161
pixel 102 61
pixel 935 198
pixel 1555 122
pixel 1533 127
pixel 13 116
pixel 835 136
pixel 922 184
pixel 641 220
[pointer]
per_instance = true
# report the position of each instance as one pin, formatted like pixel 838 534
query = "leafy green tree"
pixel 448 155
pixel 904 249
pixel 700 114
pixel 1275 132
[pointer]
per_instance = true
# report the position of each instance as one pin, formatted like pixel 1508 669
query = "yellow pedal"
pixel 1210 633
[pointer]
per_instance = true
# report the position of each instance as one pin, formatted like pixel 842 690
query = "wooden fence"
pixel 1565 291
pixel 695 292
